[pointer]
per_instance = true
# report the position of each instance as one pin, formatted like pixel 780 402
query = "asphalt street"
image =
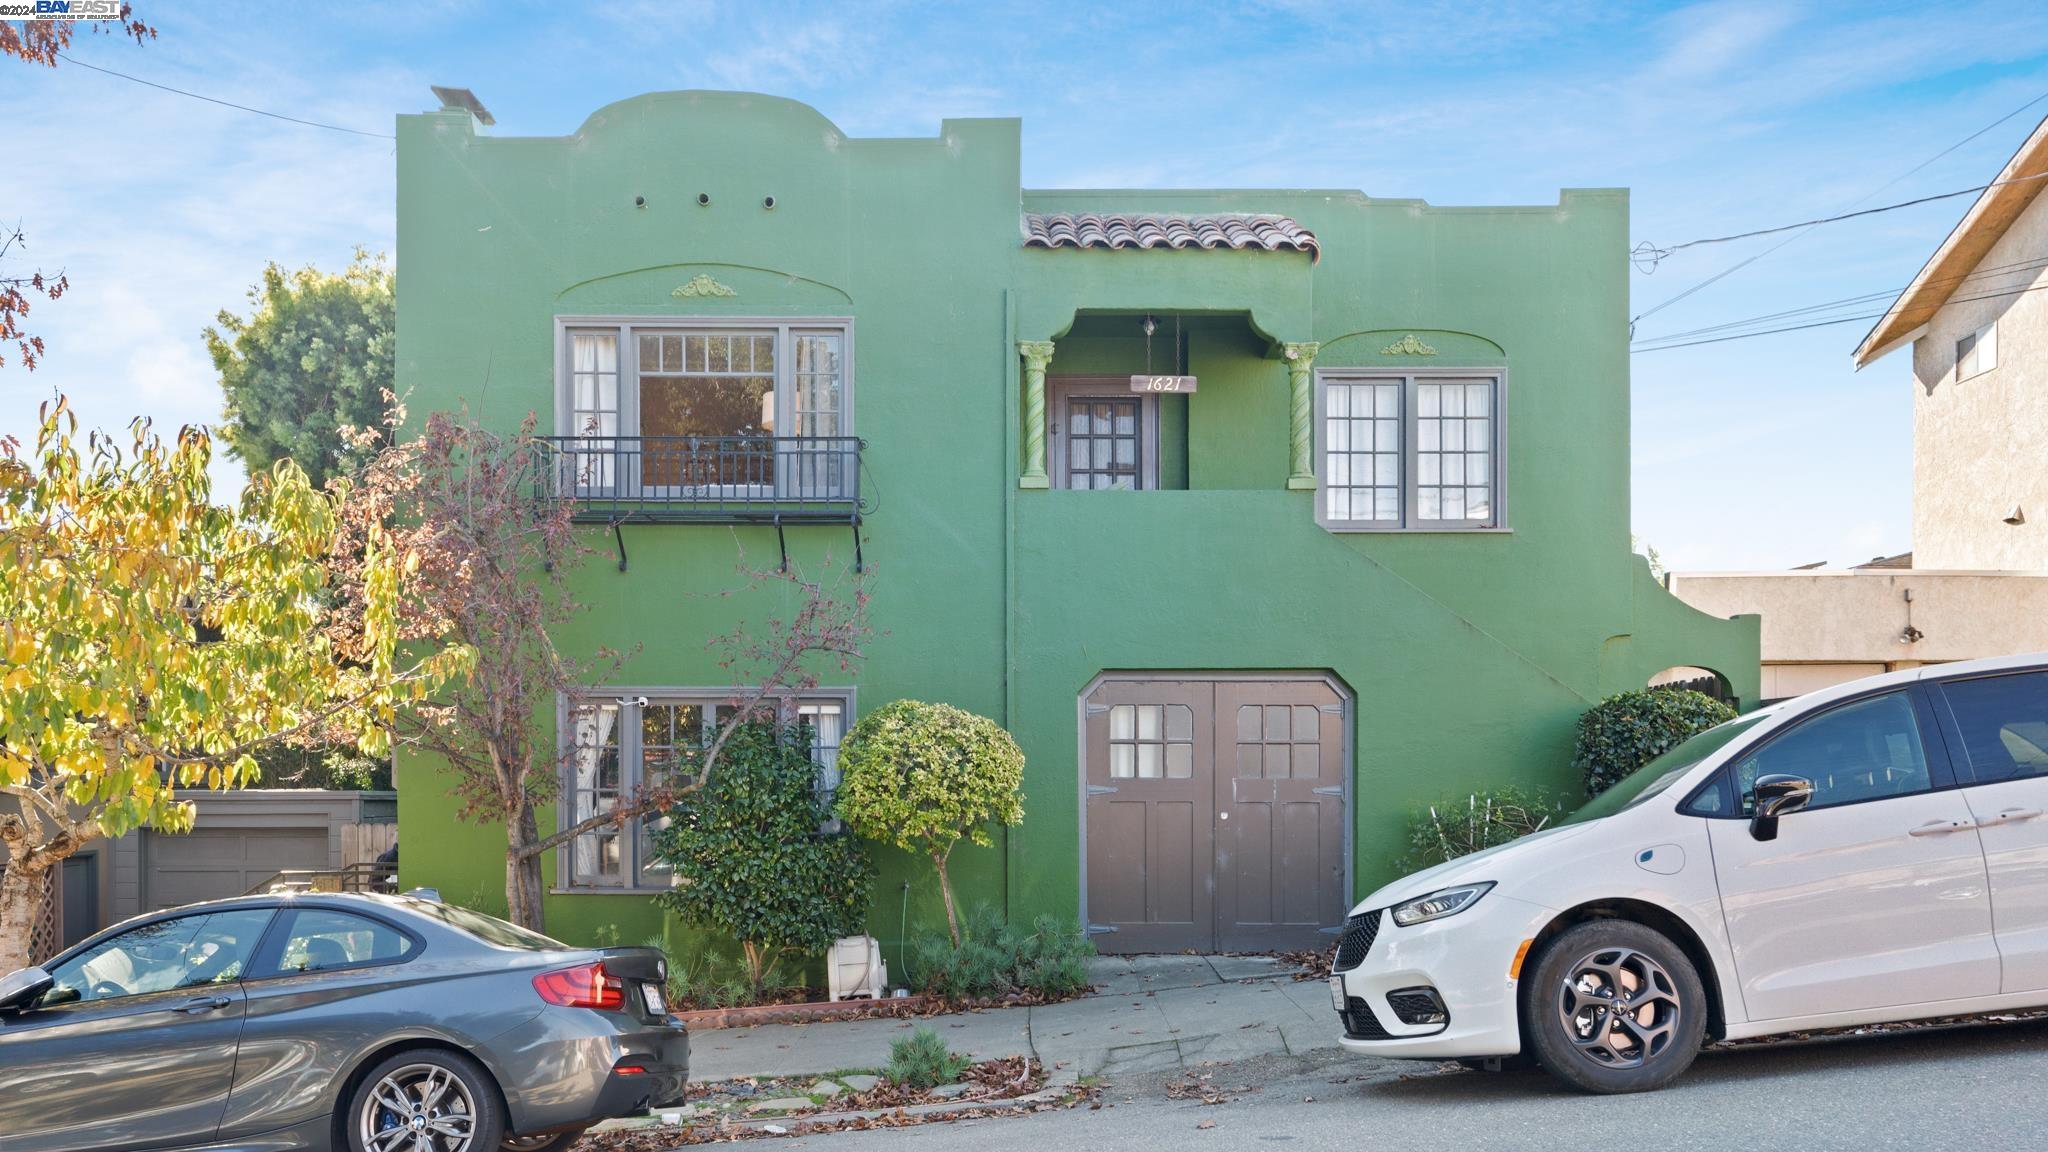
pixel 1974 1086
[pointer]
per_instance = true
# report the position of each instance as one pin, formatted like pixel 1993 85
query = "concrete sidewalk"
pixel 1149 1014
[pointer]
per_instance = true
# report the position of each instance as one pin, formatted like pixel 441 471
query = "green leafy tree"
pixel 926 776
pixel 152 640
pixel 312 361
pixel 1627 730
pixel 750 860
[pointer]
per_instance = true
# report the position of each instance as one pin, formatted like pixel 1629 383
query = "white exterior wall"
pixel 1980 445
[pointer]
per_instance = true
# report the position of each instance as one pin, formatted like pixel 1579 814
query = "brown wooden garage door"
pixel 1215 813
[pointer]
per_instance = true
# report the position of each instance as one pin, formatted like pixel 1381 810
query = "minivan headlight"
pixel 1437 905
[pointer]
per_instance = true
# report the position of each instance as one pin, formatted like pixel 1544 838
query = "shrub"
pixel 749 858
pixel 1626 731
pixel 1457 828
pixel 922 1060
pixel 993 959
pixel 924 776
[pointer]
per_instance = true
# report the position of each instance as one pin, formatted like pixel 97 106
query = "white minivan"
pixel 1872 852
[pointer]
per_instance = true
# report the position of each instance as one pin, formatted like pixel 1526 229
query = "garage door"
pixel 214 863
pixel 1215 814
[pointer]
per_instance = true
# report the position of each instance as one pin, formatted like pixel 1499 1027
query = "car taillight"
pixel 585 986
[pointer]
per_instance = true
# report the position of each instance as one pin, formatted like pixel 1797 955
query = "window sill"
pixel 596 891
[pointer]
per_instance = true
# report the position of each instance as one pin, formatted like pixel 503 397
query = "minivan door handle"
pixel 2009 816
pixel 205 1004
pixel 1940 827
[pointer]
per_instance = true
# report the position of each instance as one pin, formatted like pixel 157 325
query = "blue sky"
pixel 1721 116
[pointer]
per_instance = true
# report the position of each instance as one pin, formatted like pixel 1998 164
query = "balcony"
pixel 704 479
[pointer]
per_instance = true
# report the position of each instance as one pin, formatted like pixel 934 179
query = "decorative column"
pixel 1037 355
pixel 1301 359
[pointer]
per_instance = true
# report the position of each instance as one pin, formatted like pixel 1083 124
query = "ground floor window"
pixel 616 746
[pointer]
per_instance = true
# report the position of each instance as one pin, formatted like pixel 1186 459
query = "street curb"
pixel 822 1012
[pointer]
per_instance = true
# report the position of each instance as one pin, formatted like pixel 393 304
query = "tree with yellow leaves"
pixel 152 640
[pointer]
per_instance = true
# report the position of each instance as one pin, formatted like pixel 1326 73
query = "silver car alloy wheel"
pixel 1619 1007
pixel 418 1108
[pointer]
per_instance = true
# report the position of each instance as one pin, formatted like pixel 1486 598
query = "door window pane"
pixel 1863 751
pixel 2004 722
pixel 320 939
pixel 1103 443
pixel 718 387
pixel 189 952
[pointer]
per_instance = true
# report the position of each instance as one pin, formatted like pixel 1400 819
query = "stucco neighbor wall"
pixel 1822 628
pixel 1980 446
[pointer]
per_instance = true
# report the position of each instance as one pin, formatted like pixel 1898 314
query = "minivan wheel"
pixel 425 1100
pixel 1614 1006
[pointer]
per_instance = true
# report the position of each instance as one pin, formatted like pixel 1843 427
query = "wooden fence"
pixel 362 843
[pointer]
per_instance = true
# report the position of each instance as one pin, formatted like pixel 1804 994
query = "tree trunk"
pixel 22 887
pixel 946 894
pixel 522 873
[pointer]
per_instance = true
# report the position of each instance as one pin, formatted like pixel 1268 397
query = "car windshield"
pixel 488 929
pixel 1664 771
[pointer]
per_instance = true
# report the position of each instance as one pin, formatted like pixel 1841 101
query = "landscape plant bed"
pixel 744 1109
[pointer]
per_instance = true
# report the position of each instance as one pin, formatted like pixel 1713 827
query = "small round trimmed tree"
pixel 1628 730
pixel 749 858
pixel 925 776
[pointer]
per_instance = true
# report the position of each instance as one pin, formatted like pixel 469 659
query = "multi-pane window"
pixel 696 407
pixel 1151 742
pixel 1362 450
pixel 1408 450
pixel 1279 742
pixel 621 747
pixel 1454 451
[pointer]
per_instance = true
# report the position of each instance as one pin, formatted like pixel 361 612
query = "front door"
pixel 1876 895
pixel 1215 814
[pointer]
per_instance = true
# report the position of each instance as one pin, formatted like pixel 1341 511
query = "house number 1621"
pixel 1162 383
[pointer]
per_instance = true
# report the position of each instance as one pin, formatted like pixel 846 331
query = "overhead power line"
pixel 1986 272
pixel 225 103
pixel 1827 323
pixel 1803 230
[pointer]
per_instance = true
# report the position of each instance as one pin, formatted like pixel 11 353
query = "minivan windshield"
pixel 1664 771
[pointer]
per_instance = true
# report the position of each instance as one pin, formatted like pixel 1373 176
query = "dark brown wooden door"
pixel 1215 814
pixel 1279 814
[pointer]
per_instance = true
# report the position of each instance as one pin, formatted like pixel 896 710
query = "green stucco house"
pixel 1260 517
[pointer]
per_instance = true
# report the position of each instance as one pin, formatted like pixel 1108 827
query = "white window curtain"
pixel 595 728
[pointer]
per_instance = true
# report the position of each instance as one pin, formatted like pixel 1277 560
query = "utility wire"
pixel 225 103
pixel 1826 323
pixel 1986 272
pixel 1746 262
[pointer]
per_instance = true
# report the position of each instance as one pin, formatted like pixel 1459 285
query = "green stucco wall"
pixel 1469 655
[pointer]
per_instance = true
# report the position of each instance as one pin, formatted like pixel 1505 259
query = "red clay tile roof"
pixel 1167 230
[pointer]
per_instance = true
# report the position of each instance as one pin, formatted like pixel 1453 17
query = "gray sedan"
pixel 366 1023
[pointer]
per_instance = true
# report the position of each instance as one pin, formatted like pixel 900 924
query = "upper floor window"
pixel 1401 451
pixel 707 379
pixel 616 747
pixel 1977 352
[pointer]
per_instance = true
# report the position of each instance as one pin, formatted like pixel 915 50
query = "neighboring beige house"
pixel 1976 582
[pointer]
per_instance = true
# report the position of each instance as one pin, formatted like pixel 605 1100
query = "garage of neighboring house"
pixel 239 840
pixel 1214 811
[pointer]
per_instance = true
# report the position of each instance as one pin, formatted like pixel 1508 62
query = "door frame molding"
pixel 1346 698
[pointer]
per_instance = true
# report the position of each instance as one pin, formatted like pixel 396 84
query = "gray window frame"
pixel 633 852
pixel 628 330
pixel 1059 390
pixel 1408 378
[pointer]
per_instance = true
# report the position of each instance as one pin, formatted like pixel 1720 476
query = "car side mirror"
pixel 1777 795
pixel 20 989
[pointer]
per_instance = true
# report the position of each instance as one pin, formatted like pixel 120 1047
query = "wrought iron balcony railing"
pixel 780 479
